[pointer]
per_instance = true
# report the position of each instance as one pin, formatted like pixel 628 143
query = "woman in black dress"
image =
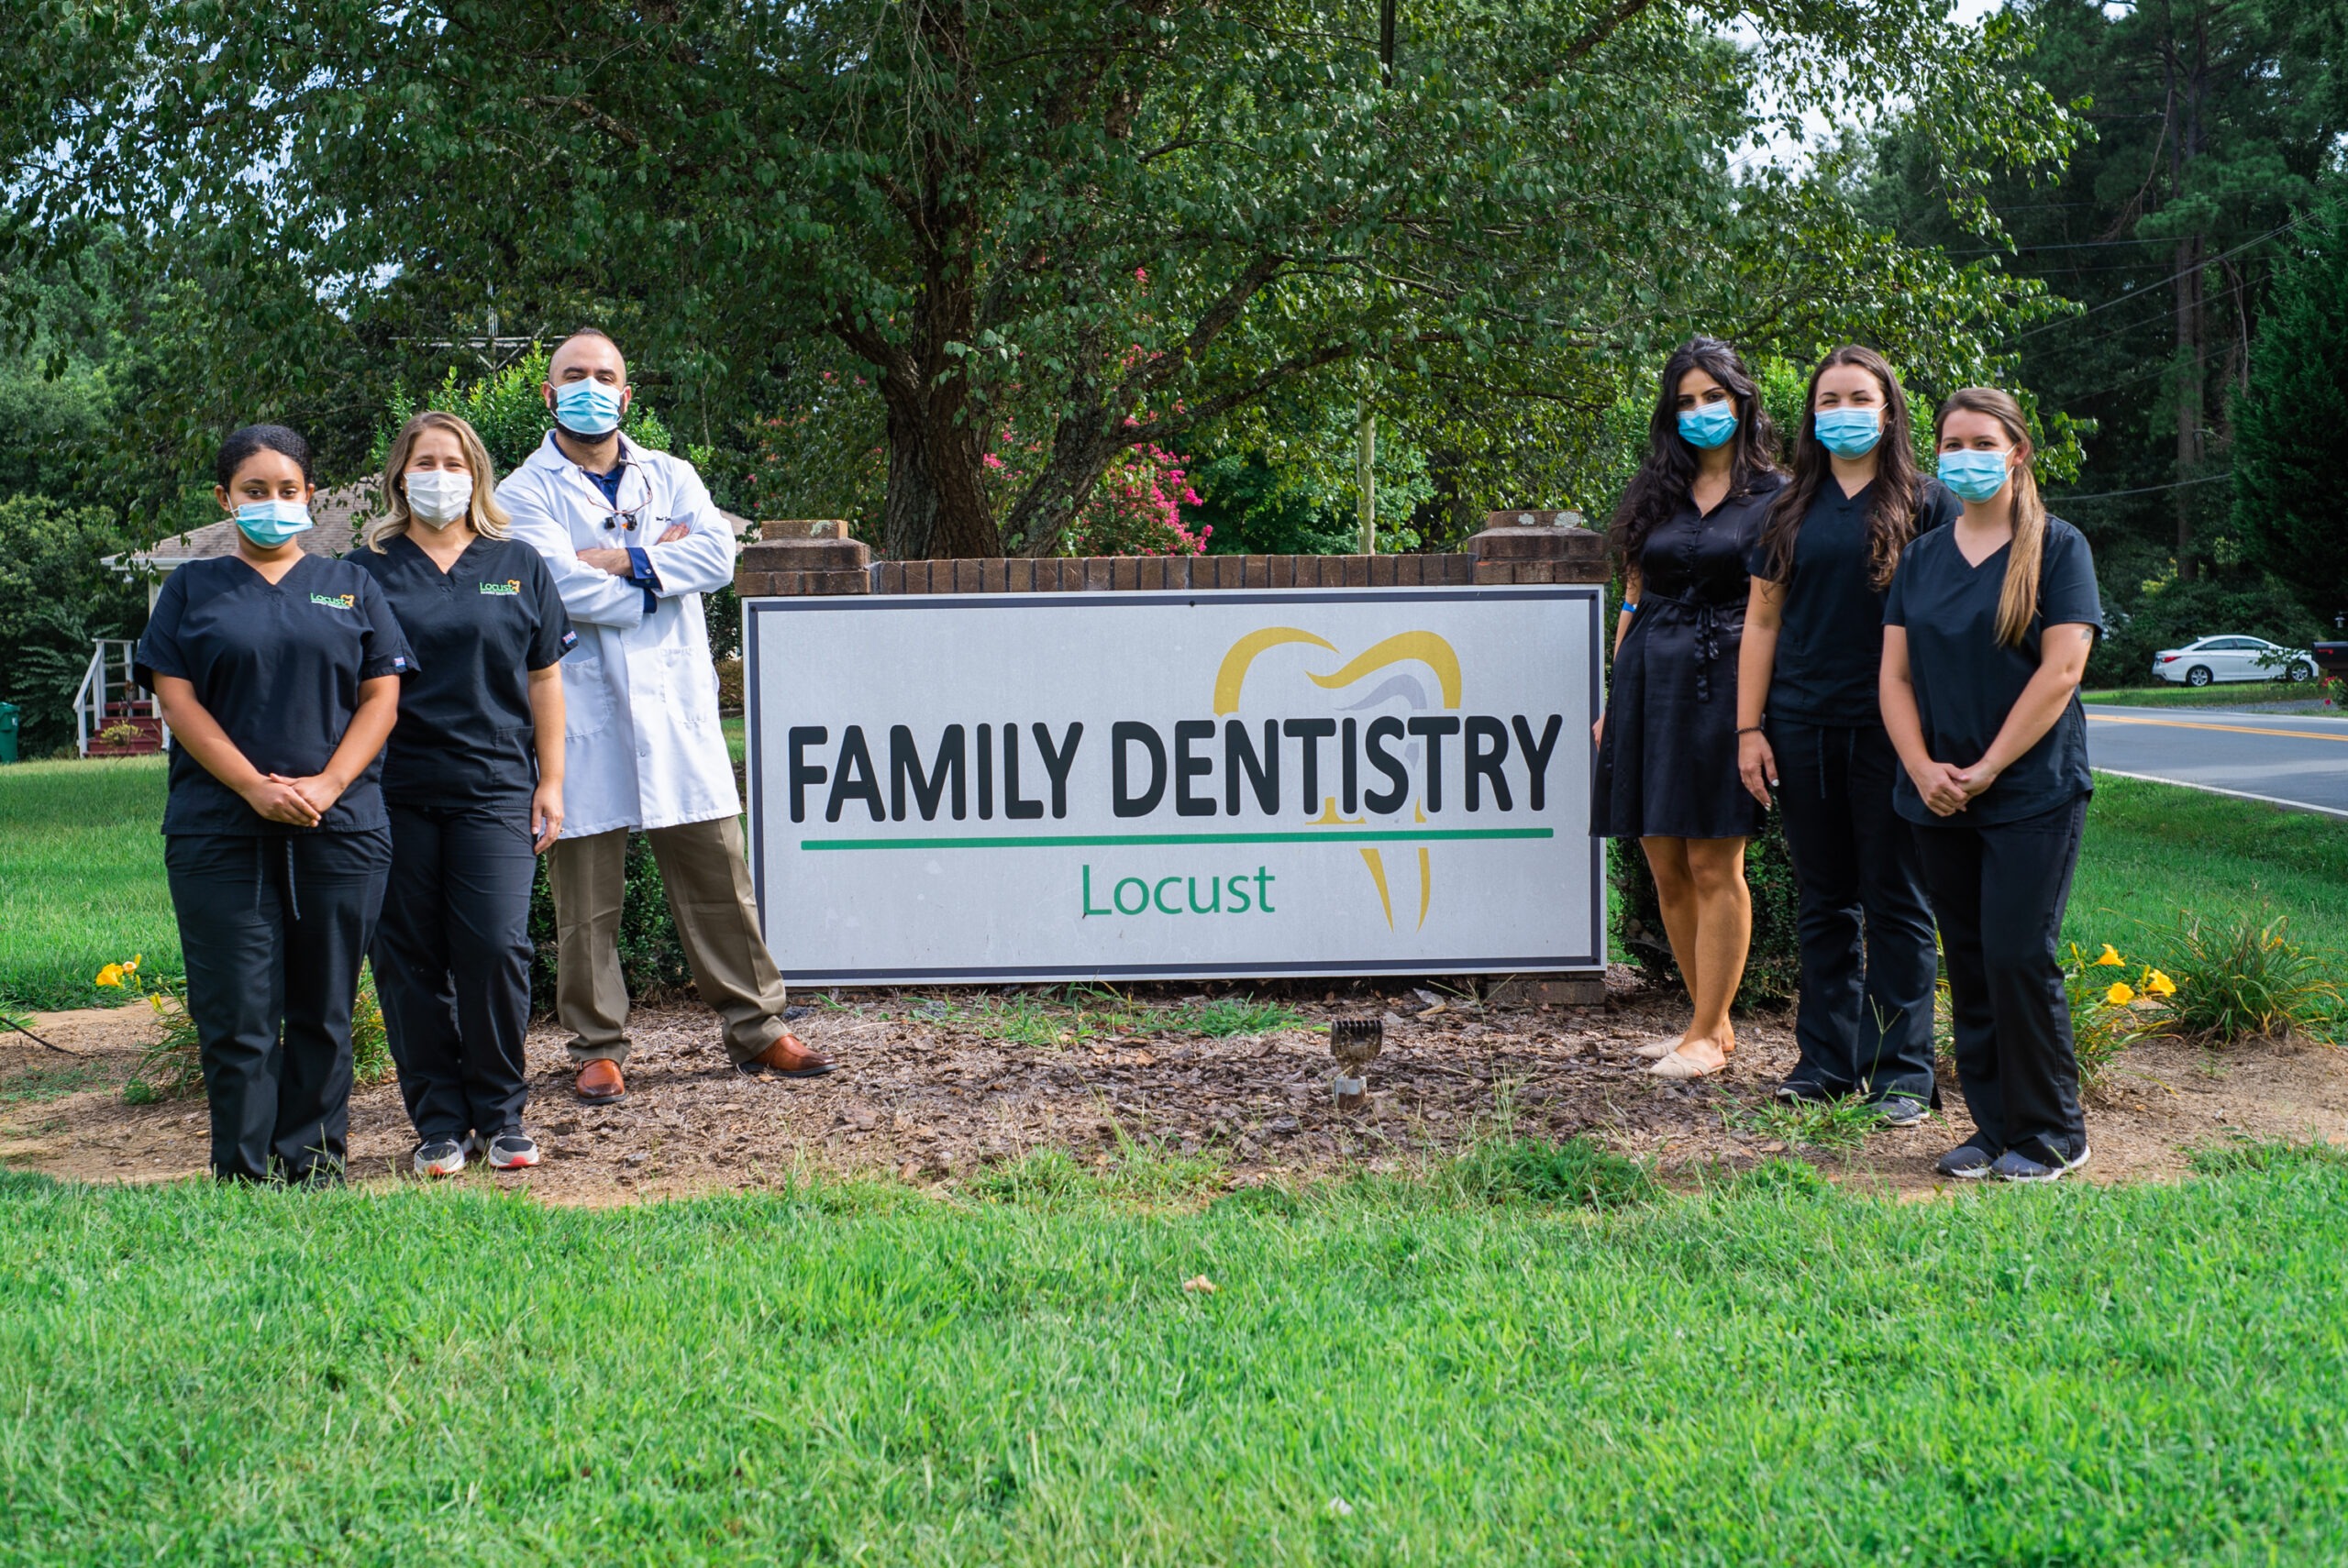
pixel 1807 716
pixel 1667 748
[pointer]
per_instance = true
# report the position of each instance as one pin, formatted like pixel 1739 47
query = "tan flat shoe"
pixel 1656 1049
pixel 1679 1067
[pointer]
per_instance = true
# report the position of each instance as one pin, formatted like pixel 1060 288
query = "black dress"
pixel 1667 761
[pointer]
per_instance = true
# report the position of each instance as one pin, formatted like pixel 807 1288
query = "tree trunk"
pixel 2188 396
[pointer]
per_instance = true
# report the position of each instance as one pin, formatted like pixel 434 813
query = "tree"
pixel 2289 506
pixel 1115 221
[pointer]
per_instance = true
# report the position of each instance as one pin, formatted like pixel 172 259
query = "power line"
pixel 2173 277
pixel 2142 489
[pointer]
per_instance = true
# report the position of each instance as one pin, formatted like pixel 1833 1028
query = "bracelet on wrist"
pixel 1751 730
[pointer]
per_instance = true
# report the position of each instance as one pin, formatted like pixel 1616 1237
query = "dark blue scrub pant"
pixel 452 965
pixel 1864 1024
pixel 1999 891
pixel 271 928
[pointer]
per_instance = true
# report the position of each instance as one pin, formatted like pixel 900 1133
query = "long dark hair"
pixel 1891 513
pixel 1663 480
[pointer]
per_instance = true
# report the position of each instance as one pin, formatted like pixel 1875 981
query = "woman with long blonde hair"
pixel 473 779
pixel 1986 630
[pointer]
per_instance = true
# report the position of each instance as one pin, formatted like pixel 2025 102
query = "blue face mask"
pixel 269 524
pixel 587 407
pixel 1974 475
pixel 1708 424
pixel 1849 432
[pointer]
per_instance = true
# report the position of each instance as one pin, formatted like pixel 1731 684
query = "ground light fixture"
pixel 1355 1043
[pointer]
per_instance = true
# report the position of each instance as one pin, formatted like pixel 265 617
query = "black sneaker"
pixel 1969 1161
pixel 2040 1159
pixel 1803 1091
pixel 441 1156
pixel 1901 1110
pixel 512 1151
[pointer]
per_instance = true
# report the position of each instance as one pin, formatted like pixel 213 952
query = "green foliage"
pixel 1118 224
pixel 1779 1179
pixel 1581 1171
pixel 2289 424
pixel 2108 1013
pixel 1135 1172
pixel 2244 979
pixel 1773 966
pixel 54 598
pixel 2165 613
pixel 652 958
pixel 506 409
pixel 1835 1127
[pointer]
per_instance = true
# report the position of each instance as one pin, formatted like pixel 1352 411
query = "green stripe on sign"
pixel 1107 840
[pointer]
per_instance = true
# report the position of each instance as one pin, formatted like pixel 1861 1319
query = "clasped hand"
pixel 300 802
pixel 1948 789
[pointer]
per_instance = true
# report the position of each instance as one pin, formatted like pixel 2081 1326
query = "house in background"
pixel 112 717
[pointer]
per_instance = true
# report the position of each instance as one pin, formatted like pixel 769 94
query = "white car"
pixel 2212 660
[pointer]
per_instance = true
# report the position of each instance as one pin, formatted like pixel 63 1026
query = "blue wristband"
pixel 1629 608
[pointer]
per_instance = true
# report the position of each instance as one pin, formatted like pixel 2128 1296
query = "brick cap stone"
pixel 1531 518
pixel 803 528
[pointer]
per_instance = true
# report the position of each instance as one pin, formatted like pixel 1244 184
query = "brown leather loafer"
pixel 600 1082
pixel 789 1057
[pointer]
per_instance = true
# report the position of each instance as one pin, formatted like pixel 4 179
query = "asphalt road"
pixel 2292 759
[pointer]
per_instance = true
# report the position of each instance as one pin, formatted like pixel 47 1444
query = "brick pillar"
pixel 1538 547
pixel 803 556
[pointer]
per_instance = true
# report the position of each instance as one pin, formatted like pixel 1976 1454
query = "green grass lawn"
pixel 1383 1374
pixel 2234 694
pixel 2154 850
pixel 81 878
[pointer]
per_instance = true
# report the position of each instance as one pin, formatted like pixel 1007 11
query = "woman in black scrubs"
pixel 1987 630
pixel 1666 746
pixel 1808 727
pixel 278 673
pixel 474 778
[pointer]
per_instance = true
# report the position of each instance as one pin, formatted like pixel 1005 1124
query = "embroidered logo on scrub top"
pixel 335 601
pixel 506 589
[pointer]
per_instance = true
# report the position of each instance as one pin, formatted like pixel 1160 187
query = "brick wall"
pixel 792 558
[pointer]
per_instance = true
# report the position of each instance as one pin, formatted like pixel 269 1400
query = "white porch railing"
pixel 108 681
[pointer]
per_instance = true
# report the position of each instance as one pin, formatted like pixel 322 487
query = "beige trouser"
pixel 706 877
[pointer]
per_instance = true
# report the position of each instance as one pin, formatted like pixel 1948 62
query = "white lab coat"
pixel 642 745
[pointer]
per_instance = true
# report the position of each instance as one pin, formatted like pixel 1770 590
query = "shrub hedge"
pixel 1773 970
pixel 652 960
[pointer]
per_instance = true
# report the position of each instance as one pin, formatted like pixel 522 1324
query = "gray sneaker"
pixel 1969 1161
pixel 1901 1110
pixel 441 1156
pixel 512 1151
pixel 2040 1159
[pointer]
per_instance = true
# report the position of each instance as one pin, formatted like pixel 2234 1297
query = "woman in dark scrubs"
pixel 1808 728
pixel 1987 630
pixel 474 778
pixel 279 674
pixel 1666 745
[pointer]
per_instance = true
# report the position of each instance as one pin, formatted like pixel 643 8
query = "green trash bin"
pixel 7 732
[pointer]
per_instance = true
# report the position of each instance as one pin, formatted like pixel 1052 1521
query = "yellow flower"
pixel 109 976
pixel 2112 957
pixel 2119 995
pixel 132 968
pixel 2158 984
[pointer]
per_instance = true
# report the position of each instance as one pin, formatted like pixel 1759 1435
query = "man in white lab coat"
pixel 634 543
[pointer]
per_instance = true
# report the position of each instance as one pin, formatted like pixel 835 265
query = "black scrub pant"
pixel 271 928
pixel 1999 892
pixel 1864 1024
pixel 452 965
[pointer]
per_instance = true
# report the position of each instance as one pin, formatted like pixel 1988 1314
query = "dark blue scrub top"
pixel 278 665
pixel 1966 681
pixel 1830 642
pixel 464 735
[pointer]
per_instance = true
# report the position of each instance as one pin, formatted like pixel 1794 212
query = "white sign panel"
pixel 1049 787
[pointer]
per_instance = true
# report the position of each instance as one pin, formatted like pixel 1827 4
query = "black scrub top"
pixel 464 735
pixel 1966 681
pixel 278 666
pixel 1830 641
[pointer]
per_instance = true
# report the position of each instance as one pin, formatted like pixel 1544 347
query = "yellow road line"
pixel 2231 729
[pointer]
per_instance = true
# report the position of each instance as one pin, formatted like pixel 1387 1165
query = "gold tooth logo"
pixel 1421 647
pixel 335 601
pixel 506 589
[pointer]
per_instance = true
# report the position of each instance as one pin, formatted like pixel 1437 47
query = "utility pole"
pixel 1365 416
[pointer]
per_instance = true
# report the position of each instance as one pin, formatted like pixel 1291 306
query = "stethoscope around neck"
pixel 615 518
